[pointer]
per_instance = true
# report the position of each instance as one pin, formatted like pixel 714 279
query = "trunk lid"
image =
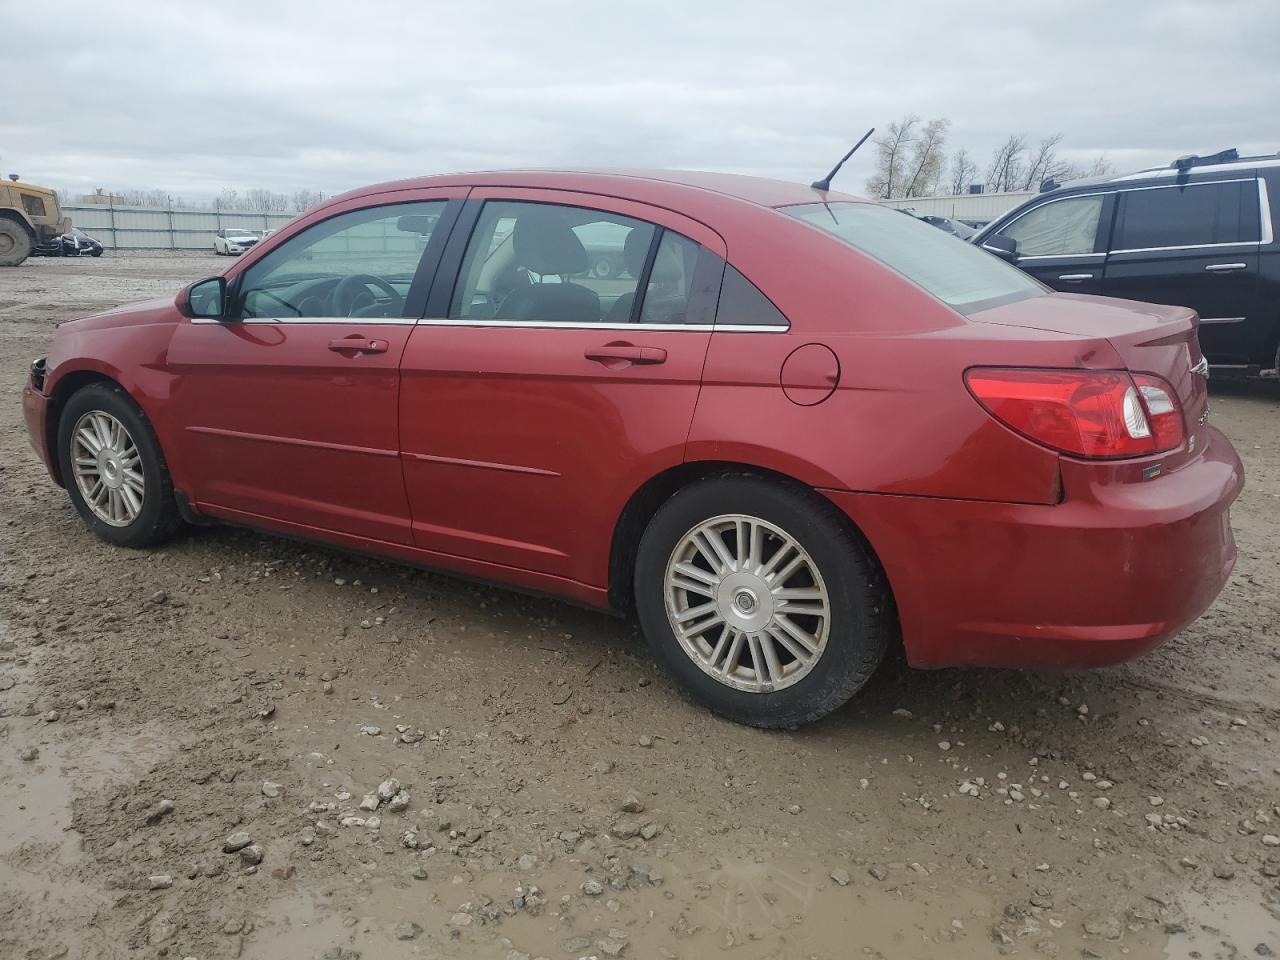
pixel 1148 337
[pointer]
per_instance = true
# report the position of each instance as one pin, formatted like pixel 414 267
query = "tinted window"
pixel 741 302
pixel 1188 215
pixel 1059 228
pixel 954 271
pixel 543 262
pixel 357 264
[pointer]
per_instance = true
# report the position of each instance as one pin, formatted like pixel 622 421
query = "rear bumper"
pixel 35 411
pixel 1105 576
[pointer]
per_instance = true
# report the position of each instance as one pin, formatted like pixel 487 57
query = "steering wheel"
pixel 351 291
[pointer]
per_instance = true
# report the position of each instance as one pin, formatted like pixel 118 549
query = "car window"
pixel 542 262
pixel 742 303
pixel 956 272
pixel 1059 228
pixel 357 264
pixel 666 298
pixel 1188 215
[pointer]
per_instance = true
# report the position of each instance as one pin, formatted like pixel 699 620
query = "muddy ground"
pixel 564 799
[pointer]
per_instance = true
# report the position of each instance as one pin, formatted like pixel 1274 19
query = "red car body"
pixel 507 452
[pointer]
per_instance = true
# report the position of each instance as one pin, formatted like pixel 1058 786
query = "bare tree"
pixel 1043 164
pixel 1006 167
pixel 928 156
pixel 306 199
pixel 1101 167
pixel 891 158
pixel 964 171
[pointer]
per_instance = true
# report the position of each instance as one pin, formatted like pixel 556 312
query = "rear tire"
pixel 795 581
pixel 108 454
pixel 15 243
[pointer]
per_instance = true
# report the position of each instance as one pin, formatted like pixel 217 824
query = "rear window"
pixel 957 273
pixel 1188 215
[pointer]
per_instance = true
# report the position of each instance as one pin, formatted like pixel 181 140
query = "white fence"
pixel 160 228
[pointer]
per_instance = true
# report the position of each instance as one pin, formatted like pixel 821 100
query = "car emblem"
pixel 1201 368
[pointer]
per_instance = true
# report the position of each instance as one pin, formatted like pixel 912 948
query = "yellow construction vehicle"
pixel 28 215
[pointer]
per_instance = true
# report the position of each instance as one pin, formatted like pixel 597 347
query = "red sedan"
pixel 787 427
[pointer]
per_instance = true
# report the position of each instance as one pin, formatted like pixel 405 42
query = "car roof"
pixel 654 186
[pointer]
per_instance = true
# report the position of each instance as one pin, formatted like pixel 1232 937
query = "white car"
pixel 233 241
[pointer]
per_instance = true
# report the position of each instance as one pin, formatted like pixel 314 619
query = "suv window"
pixel 1188 215
pixel 357 264
pixel 553 263
pixel 1060 228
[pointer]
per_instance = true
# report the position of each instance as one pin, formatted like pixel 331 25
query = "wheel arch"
pixel 8 213
pixel 654 492
pixel 68 385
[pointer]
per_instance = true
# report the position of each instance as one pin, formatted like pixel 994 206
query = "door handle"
pixel 626 353
pixel 1075 276
pixel 1225 267
pixel 358 344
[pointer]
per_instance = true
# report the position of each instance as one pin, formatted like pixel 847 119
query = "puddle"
pixel 744 909
pixel 1221 928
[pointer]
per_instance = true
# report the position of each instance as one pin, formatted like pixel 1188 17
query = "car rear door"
pixel 1194 244
pixel 288 405
pixel 536 395
pixel 1062 241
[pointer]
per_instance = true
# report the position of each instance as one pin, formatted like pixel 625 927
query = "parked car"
pixel 74 243
pixel 1199 233
pixel 807 429
pixel 233 241
pixel 954 227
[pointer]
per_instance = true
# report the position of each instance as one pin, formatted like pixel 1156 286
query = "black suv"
pixel 1199 233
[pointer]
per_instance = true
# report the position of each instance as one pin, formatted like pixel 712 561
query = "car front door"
pixel 1062 241
pixel 288 404
pixel 540 391
pixel 1194 245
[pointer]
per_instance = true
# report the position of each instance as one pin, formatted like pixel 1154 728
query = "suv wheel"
pixel 113 468
pixel 761 600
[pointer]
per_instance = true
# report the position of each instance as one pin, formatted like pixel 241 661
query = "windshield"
pixel 957 273
pixel 237 235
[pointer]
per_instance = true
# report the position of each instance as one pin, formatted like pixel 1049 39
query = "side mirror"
pixel 204 299
pixel 1006 248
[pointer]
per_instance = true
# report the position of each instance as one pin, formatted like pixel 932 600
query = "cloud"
pixel 327 95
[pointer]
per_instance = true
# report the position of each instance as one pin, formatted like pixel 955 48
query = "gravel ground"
pixel 199 750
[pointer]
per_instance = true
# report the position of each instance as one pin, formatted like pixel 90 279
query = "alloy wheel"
pixel 747 603
pixel 108 468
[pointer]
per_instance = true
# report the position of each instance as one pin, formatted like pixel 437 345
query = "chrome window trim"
pixel 1057 256
pixel 1223 319
pixel 1264 217
pixel 602 325
pixel 505 324
pixel 1264 212
pixel 1190 246
pixel 352 321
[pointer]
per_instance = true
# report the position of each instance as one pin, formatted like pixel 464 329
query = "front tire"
pixel 761 600
pixel 114 470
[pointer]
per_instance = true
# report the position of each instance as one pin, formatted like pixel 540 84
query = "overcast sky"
pixel 196 97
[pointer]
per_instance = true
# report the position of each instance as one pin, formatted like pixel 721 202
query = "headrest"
pixel 545 244
pixel 635 248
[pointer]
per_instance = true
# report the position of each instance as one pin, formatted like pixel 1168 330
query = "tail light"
pixel 1086 413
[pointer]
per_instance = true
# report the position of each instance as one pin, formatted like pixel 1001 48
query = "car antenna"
pixel 825 183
